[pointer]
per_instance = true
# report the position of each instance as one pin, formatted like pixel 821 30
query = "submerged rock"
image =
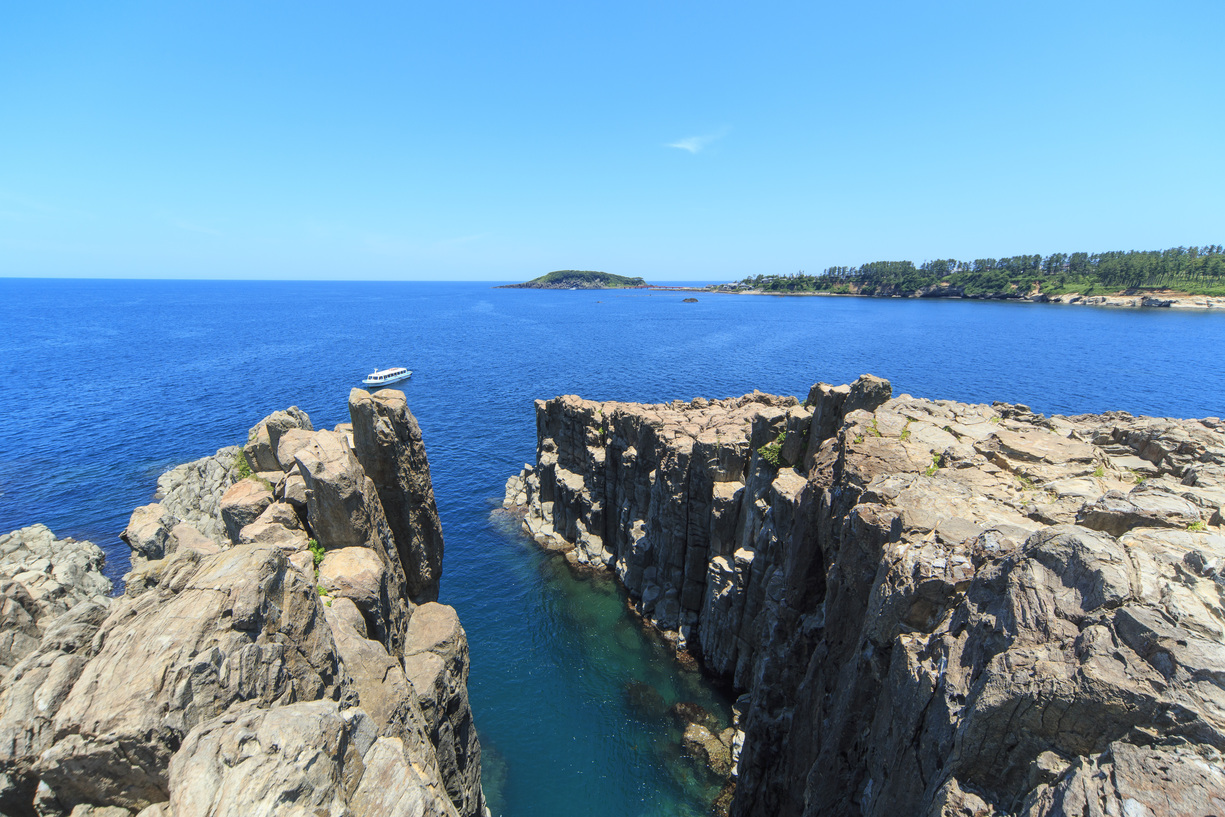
pixel 687 713
pixel 706 748
pixel 645 700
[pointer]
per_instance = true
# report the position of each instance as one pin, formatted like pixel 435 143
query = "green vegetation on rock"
pixel 772 452
pixel 579 279
pixel 241 467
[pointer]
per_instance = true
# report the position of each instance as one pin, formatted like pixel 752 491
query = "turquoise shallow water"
pixel 105 384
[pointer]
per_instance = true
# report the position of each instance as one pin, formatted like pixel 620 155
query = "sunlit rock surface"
pixel 239 673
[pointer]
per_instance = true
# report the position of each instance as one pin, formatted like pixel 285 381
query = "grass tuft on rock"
pixel 240 465
pixel 772 452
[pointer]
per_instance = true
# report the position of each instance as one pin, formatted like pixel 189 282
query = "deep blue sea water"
pixel 106 384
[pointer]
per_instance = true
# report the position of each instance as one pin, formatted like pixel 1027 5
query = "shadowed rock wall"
pixel 930 607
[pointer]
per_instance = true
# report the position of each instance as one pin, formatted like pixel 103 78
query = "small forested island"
pixel 1152 276
pixel 579 279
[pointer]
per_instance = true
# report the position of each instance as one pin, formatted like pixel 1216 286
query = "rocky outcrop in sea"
pixel 278 648
pixel 929 607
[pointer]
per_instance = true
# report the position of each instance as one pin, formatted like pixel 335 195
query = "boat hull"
pixel 395 379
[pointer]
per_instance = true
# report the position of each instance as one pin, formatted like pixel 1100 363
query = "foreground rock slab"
pixel 931 607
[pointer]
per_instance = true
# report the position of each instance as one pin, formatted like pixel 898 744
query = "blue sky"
pixel 672 140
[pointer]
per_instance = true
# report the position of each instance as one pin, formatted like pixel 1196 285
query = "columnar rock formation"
pixel 266 658
pixel 931 608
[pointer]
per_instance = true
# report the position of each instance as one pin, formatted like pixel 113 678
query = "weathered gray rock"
pixel 53 596
pixel 291 442
pixel 274 535
pixel 293 492
pixel 302 759
pixel 242 626
pixel 279 526
pixel 100 811
pixel 184 536
pixel 397 781
pixel 918 621
pixel 1116 512
pixel 42 577
pixel 19 631
pixel 868 393
pixel 342 504
pixel 388 444
pixel 355 573
pixel 31 694
pixel 191 493
pixel 281 422
pixel 378 679
pixel 259 453
pixel 1136 781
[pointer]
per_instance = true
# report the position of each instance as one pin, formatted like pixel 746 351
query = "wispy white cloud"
pixel 695 144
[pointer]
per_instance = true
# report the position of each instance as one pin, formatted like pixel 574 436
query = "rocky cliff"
pixel 930 608
pixel 278 648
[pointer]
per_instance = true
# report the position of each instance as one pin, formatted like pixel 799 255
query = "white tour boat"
pixel 384 376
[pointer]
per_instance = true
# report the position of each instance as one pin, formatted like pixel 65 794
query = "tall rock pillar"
pixel 388 445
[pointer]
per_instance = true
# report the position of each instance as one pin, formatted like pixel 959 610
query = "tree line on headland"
pixel 1194 270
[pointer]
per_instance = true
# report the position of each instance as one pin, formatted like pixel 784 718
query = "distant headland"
pixel 579 279
pixel 1180 276
pixel 1187 277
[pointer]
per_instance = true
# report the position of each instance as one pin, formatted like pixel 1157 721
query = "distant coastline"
pixel 1124 298
pixel 1179 277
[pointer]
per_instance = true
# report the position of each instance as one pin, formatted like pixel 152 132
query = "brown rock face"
pixel 242 504
pixel 388 444
pixel 147 533
pixel 344 512
pixel 262 448
pixel 933 608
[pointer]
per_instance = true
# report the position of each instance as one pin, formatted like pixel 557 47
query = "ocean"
pixel 104 385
